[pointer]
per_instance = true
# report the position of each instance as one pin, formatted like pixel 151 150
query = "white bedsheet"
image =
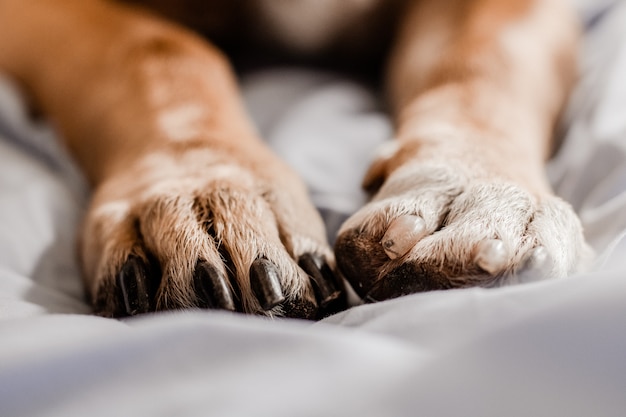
pixel 552 348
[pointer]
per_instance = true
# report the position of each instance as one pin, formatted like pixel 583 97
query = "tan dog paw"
pixel 433 227
pixel 183 231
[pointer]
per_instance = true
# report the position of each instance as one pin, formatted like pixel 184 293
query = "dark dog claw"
pixel 132 282
pixel 212 288
pixel 265 283
pixel 324 281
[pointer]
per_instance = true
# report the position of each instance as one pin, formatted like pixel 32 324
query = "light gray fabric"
pixel 590 169
pixel 552 348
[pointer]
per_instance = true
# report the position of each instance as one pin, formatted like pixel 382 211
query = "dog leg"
pixel 477 86
pixel 190 208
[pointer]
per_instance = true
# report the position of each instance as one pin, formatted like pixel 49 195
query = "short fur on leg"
pixel 476 86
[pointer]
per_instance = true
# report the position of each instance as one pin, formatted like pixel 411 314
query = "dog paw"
pixel 432 226
pixel 180 232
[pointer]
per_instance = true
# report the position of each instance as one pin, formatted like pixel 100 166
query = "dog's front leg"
pixel 477 86
pixel 190 208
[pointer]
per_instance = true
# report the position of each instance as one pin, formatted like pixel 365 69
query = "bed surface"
pixel 548 348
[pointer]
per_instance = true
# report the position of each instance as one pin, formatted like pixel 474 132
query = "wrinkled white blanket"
pixel 552 348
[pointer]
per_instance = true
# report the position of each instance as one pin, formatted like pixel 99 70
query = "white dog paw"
pixel 431 227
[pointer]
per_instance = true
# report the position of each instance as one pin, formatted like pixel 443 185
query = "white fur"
pixel 114 211
pixel 388 149
pixel 183 121
pixel 473 210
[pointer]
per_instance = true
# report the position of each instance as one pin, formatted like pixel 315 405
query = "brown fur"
pixel 152 114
